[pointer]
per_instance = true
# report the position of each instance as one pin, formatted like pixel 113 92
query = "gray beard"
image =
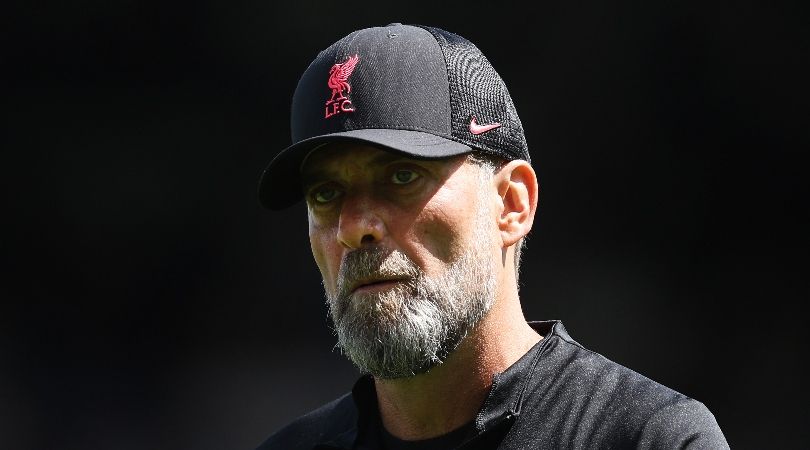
pixel 416 325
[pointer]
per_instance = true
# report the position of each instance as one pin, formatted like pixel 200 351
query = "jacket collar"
pixel 501 407
pixel 509 387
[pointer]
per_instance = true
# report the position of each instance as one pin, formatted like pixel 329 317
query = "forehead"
pixel 339 155
pixel 336 153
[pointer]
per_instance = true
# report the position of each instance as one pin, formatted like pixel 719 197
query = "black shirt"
pixel 558 395
pixel 450 440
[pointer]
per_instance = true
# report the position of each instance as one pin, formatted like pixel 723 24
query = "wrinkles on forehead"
pixel 317 165
pixel 327 162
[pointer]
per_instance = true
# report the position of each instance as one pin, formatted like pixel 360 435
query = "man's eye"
pixel 325 195
pixel 404 176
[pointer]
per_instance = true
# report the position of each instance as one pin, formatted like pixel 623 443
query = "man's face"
pixel 407 250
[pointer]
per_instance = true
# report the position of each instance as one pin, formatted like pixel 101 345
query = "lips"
pixel 370 283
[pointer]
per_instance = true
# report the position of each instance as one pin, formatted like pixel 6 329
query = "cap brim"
pixel 280 183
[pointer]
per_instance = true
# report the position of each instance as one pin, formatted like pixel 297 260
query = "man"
pixel 420 190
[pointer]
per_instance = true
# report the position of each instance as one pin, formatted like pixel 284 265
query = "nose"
pixel 360 222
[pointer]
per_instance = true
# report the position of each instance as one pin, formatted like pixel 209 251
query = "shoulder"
pixel 569 366
pixel 686 423
pixel 327 423
pixel 597 398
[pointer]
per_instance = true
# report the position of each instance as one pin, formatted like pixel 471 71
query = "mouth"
pixel 375 285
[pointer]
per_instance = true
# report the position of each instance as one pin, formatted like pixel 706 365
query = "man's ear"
pixel 518 191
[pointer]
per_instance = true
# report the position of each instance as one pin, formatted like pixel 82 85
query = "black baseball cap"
pixel 413 89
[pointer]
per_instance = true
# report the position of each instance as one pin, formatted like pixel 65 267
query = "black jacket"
pixel 558 395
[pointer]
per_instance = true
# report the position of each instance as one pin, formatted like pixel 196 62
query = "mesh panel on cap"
pixel 476 90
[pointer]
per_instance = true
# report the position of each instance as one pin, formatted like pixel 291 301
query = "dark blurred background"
pixel 148 302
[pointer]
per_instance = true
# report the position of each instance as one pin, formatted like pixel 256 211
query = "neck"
pixel 450 394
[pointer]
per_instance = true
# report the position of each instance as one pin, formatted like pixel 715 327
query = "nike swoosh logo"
pixel 478 129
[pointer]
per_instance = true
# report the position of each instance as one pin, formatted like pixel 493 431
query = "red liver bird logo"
pixel 338 76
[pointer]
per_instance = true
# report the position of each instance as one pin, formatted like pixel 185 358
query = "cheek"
pixel 324 254
pixel 442 228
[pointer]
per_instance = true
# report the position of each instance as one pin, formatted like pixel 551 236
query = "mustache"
pixel 370 264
